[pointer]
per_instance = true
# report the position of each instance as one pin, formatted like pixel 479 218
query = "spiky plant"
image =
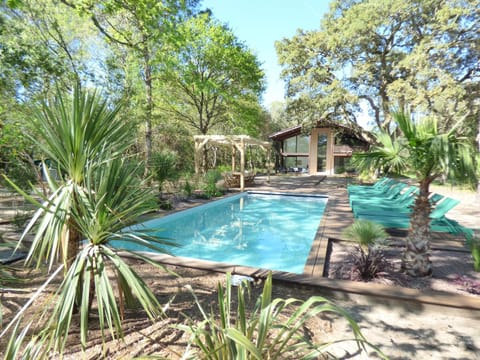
pixel 274 329
pixel 97 196
pixel 369 236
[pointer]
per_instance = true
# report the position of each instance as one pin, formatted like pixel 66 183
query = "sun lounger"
pixel 376 188
pixel 438 211
pixel 389 192
pixel 400 205
pixel 404 198
pixel 378 184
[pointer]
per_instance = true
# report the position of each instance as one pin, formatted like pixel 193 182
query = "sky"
pixel 259 23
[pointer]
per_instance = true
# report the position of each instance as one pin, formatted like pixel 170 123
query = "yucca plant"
pixel 273 329
pixel 97 196
pixel 369 236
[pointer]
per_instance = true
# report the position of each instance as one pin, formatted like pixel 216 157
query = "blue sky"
pixel 259 23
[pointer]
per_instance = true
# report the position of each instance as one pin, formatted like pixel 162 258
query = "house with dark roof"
pixel 323 149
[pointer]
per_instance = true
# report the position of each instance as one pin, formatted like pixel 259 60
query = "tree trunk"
pixel 478 142
pixel 416 257
pixel 73 244
pixel 149 105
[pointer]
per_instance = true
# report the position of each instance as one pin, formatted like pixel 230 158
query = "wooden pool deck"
pixel 337 217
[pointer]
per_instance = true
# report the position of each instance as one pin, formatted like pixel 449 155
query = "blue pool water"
pixel 259 230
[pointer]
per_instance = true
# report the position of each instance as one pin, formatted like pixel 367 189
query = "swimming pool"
pixel 262 230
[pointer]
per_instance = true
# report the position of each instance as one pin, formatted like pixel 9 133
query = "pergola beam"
pixel 237 142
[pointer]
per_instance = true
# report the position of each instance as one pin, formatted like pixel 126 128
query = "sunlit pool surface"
pixel 260 230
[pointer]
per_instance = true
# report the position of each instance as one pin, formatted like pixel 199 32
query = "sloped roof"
pixel 353 130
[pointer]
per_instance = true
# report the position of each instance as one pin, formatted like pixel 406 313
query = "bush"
pixel 22 174
pixel 369 260
pixel 474 245
pixel 163 167
pixel 211 179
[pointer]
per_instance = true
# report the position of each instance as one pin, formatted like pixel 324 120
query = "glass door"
pixel 322 153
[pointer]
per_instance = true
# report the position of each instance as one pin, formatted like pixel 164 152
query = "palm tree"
pixel 97 196
pixel 422 150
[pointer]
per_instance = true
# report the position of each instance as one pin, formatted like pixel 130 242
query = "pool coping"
pixel 336 217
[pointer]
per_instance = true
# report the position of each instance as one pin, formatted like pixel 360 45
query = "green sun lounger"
pixel 400 205
pixel 390 192
pixel 404 198
pixel 437 213
pixel 381 187
pixel 438 225
pixel 378 184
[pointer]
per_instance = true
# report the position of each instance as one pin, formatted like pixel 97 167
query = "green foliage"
pixel 474 245
pixel 99 194
pixel 423 150
pixel 273 329
pixel 22 174
pixel 211 178
pixel 369 236
pixel 187 188
pixel 164 167
pixel 428 153
pixel 422 53
pixel 212 78
pixel 366 233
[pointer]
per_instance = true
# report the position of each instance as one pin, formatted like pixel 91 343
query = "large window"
pixel 297 144
pixel 296 162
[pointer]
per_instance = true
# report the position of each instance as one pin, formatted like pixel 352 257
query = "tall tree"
pixel 50 44
pixel 143 27
pixel 213 79
pixel 428 153
pixel 384 52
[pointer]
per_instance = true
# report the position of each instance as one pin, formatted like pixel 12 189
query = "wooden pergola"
pixel 237 143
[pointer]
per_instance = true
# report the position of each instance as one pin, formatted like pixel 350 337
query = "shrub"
pixel 22 174
pixel 369 260
pixel 274 329
pixel 164 167
pixel 211 179
pixel 474 244
pixel 187 188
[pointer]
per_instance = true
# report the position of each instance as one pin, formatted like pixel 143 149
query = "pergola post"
pixel 237 143
pixel 234 152
pixel 195 155
pixel 268 165
pixel 242 164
